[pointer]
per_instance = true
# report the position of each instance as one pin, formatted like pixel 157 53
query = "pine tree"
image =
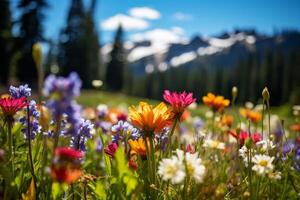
pixel 6 41
pixel 31 31
pixel 115 68
pixel 79 46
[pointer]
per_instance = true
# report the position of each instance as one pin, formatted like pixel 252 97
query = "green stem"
pixel 171 134
pixel 29 147
pixel 11 147
pixel 56 134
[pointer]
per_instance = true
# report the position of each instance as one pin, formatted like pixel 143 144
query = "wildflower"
pixel 264 145
pixel 61 92
pixel 66 165
pixel 98 145
pixel 262 164
pixel 217 103
pixel 252 115
pixel 178 101
pixel 295 127
pixel 123 129
pixel 21 91
pixel 194 166
pixel 132 164
pixel 84 132
pixel 171 169
pixel 10 106
pixel 111 149
pixel 213 144
pixel 227 120
pixel 150 119
pixel 102 110
pixel 244 135
pixel 34 116
pixel 138 147
pixel 275 175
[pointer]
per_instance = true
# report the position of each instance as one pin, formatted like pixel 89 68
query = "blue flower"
pixel 64 87
pixel 84 132
pixel 122 129
pixel 21 91
pixel 34 115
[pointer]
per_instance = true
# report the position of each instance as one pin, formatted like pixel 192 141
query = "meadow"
pixel 101 145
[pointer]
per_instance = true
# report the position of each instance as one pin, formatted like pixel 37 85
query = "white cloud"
pixel 182 16
pixel 127 22
pixel 144 12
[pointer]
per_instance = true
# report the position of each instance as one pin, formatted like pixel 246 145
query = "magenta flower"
pixel 179 101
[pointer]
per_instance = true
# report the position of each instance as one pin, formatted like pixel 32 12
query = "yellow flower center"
pixel 170 169
pixel 190 168
pixel 263 163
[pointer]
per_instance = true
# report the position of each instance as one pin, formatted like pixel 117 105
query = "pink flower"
pixel 178 101
pixel 111 149
pixel 10 105
pixel 256 137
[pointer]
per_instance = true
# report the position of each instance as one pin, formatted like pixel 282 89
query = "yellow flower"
pixel 137 147
pixel 254 116
pixel 150 119
pixel 217 103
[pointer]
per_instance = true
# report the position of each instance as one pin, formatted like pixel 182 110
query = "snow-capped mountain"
pixel 160 51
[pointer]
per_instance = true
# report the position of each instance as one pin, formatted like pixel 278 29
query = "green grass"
pixel 93 98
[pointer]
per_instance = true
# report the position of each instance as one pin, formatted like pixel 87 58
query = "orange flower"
pixel 227 120
pixel 137 147
pixel 217 103
pixel 150 119
pixel 252 115
pixel 296 127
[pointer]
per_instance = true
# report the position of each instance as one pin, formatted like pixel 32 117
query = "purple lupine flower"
pixel 21 91
pixel 65 87
pixel 296 162
pixel 122 129
pixel 288 146
pixel 105 126
pixel 84 132
pixel 34 121
pixel 61 92
pixel 198 123
pixel 98 145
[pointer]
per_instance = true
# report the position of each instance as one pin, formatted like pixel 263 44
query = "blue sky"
pixel 205 17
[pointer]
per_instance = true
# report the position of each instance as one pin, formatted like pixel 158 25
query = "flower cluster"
pixel 180 165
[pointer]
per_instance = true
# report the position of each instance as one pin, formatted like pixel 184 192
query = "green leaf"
pixel 100 190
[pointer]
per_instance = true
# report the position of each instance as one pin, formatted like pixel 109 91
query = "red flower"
pixel 256 137
pixel 111 149
pixel 178 101
pixel 68 152
pixel 132 164
pixel 66 165
pixel 10 105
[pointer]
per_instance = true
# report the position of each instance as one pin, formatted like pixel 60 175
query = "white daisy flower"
pixel 195 168
pixel 275 175
pixel 264 145
pixel 262 164
pixel 171 169
pixel 213 144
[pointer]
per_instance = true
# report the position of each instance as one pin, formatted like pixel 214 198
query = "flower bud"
pixel 266 94
pixel 37 54
pixel 234 92
pixel 248 143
